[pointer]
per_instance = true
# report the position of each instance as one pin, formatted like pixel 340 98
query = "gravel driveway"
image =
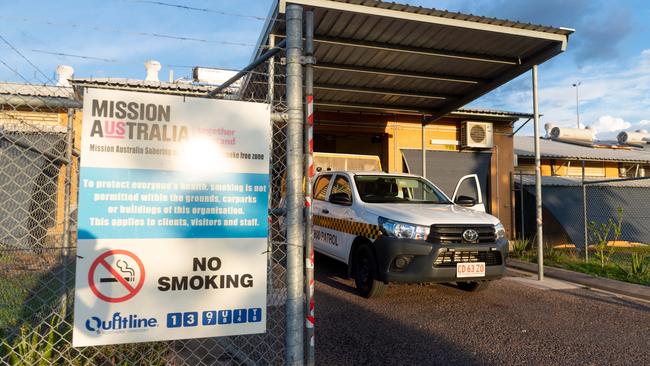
pixel 510 323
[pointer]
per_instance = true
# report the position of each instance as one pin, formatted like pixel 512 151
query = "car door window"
pixel 320 187
pixel 341 188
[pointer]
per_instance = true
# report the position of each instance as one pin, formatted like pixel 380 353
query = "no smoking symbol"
pixel 116 275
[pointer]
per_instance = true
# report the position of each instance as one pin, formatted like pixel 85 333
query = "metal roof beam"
pixel 378 108
pixel 399 93
pixel 431 52
pixel 503 78
pixel 352 89
pixel 397 73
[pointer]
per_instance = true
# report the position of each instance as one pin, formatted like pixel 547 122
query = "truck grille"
pixel 453 234
pixel 449 259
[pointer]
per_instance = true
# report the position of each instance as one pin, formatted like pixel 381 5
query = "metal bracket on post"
pixel 308 59
pixel 279 117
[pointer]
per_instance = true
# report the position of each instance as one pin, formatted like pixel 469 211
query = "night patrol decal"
pixel 351 227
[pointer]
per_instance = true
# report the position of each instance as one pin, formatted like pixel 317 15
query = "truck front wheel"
pixel 365 272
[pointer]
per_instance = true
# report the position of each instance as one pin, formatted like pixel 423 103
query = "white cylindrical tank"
pixel 625 137
pixel 548 127
pixel 574 134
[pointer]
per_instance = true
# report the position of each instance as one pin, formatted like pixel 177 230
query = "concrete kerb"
pixel 605 284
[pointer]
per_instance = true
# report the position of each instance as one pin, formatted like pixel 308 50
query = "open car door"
pixel 468 193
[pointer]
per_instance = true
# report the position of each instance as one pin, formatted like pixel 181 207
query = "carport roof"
pixel 387 57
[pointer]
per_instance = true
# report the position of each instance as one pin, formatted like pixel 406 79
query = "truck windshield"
pixel 386 188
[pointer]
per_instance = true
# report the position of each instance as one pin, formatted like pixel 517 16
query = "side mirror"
pixel 465 201
pixel 341 198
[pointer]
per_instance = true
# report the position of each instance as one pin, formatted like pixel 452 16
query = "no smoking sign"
pixel 116 275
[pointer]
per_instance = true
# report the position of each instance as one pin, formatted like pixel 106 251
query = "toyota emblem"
pixel 470 235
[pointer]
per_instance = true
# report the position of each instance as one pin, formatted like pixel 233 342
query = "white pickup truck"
pixel 402 228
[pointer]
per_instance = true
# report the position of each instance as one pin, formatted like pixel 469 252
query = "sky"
pixel 609 53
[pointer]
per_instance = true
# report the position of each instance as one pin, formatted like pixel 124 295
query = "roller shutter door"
pixel 445 168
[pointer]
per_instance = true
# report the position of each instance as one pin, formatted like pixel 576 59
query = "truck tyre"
pixel 473 286
pixel 365 273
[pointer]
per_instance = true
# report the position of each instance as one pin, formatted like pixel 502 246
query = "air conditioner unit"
pixel 476 135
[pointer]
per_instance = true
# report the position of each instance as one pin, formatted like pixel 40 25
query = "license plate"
pixel 474 269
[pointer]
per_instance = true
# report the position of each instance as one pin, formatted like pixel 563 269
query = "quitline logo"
pixel 118 323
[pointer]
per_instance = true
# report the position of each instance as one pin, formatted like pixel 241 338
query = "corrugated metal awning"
pixel 387 57
pixel 550 149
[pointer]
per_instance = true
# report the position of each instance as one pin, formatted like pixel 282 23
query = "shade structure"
pixel 387 57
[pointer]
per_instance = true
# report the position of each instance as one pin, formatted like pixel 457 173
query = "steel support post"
pixel 424 147
pixel 538 181
pixel 260 60
pixel 309 173
pixel 295 198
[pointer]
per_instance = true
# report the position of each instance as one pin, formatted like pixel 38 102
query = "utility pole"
pixel 576 85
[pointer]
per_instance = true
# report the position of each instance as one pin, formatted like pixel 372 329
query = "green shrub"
pixel 600 234
pixel 519 247
pixel 639 266
pixel 553 255
pixel 35 350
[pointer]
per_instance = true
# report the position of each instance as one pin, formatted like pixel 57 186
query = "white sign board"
pixel 173 218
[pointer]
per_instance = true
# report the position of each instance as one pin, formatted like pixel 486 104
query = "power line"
pixel 25 58
pixel 75 56
pixel 122 62
pixel 205 10
pixel 15 71
pixel 148 34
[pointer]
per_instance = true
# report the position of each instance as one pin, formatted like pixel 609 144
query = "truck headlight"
pixel 396 229
pixel 500 231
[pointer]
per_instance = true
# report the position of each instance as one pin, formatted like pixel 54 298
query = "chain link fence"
pixel 617 230
pixel 596 226
pixel 39 154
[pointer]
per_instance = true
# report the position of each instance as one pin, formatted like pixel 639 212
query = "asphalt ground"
pixel 510 323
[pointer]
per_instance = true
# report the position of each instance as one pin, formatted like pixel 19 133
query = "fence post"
pixel 65 251
pixel 295 198
pixel 270 96
pixel 538 181
pixel 521 204
pixel 309 172
pixel 271 72
pixel 584 213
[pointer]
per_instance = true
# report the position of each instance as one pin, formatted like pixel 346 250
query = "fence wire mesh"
pixel 599 227
pixel 39 170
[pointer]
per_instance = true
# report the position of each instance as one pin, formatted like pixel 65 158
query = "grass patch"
pixel 623 267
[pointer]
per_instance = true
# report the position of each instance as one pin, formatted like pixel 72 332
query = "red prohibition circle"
pixel 102 260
